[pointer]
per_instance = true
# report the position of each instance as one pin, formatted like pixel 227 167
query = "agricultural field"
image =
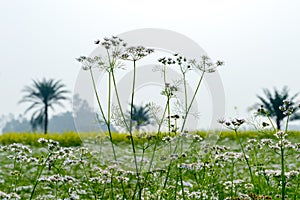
pixel 198 165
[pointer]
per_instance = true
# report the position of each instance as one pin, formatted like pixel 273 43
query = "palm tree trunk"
pixel 278 124
pixel 46 119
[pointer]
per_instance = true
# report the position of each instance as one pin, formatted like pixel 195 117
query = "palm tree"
pixel 272 102
pixel 140 115
pixel 43 95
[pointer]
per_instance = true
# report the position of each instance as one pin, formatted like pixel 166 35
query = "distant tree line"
pixel 84 116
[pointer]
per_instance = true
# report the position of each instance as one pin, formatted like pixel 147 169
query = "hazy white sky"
pixel 258 40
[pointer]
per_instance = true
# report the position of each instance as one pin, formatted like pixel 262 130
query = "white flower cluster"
pixel 167 139
pixel 57 178
pixel 277 173
pixel 195 166
pixel 233 184
pixel 52 144
pixel 4 196
pixel 267 142
pixel 280 134
pixel 219 149
pixel 230 157
pixel 197 138
pixel 17 148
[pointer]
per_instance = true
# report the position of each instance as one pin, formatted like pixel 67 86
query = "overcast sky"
pixel 258 40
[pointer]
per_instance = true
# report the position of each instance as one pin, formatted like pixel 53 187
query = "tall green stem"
pixel 245 157
pixel 191 103
pixel 131 113
pixel 109 115
pixel 107 121
pixel 181 183
pixel 88 182
pixel 39 175
pixel 232 178
pixel 168 101
pixel 282 171
pixel 272 124
pixel 118 100
pixel 97 96
pixel 185 94
pixel 169 115
pixel 283 181
pixel 157 138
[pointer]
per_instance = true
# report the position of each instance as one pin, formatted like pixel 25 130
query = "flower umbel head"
pixel 205 64
pixel 287 107
pixel 169 90
pixel 233 124
pixel 113 46
pixel 112 43
pixel 135 53
pixel 179 60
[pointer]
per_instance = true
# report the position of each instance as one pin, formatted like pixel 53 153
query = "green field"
pixel 200 165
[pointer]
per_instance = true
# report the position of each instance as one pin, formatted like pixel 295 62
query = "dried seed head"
pixel 265 124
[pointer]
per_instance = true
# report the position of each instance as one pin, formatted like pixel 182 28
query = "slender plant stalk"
pixel 296 191
pixel 181 183
pixel 232 178
pixel 103 191
pixel 38 176
pixel 168 100
pixel 123 190
pixel 283 181
pixel 169 115
pixel 109 116
pixel 168 173
pixel 185 93
pixel 185 118
pixel 156 141
pixel 190 106
pixel 131 113
pixel 130 130
pixel 165 74
pixel 121 110
pixel 107 122
pixel 112 188
pixel 118 100
pixel 186 103
pixel 55 190
pixel 191 103
pixel 143 157
pixel 196 179
pixel 92 189
pixel 282 172
pixel 175 193
pixel 287 123
pixel 272 124
pixel 245 157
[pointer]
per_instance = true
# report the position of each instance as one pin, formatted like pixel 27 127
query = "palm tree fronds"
pixel 42 95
